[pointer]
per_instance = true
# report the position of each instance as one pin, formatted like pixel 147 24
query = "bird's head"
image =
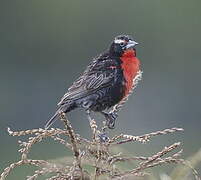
pixel 121 44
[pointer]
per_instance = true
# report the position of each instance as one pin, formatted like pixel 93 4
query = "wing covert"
pixel 97 75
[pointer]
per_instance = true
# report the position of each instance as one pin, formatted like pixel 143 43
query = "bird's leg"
pixel 92 124
pixel 89 115
pixel 110 119
pixel 96 133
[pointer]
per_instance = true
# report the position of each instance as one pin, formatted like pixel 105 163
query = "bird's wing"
pixel 100 73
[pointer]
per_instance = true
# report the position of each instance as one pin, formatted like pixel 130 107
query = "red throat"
pixel 130 65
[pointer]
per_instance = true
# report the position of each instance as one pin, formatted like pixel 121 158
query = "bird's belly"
pixel 109 98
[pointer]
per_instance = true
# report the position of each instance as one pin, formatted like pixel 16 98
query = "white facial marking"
pixel 118 41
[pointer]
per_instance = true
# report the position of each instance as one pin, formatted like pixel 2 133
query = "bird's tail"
pixel 64 108
pixel 52 120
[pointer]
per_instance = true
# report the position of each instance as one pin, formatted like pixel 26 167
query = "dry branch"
pixel 95 153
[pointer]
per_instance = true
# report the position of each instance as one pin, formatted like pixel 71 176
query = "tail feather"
pixel 52 120
pixel 64 108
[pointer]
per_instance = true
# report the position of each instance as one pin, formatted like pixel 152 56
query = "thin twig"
pixel 146 137
pixel 37 163
pixel 71 133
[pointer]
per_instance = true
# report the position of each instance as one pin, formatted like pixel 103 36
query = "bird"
pixel 106 81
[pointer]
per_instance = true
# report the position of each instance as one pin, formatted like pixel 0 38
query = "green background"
pixel 46 44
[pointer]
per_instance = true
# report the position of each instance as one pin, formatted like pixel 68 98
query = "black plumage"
pixel 100 87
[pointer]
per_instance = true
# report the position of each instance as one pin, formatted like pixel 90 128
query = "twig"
pixel 73 140
pixel 7 170
pixel 146 137
pixel 150 160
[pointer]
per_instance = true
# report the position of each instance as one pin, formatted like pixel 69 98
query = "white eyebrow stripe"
pixel 118 41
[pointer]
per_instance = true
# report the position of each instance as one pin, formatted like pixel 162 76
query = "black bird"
pixel 106 80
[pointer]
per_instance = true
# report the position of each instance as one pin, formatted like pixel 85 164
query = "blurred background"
pixel 45 45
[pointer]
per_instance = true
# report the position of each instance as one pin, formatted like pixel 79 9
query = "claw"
pixel 103 137
pixel 110 119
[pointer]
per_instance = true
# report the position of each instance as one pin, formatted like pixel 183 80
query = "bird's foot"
pixel 110 119
pixel 103 137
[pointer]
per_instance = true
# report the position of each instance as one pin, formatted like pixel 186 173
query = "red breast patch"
pixel 130 65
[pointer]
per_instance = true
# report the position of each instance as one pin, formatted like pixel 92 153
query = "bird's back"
pixel 99 87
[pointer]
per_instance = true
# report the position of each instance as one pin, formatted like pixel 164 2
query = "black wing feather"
pixel 97 75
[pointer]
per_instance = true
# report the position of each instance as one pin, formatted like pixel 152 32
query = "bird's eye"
pixel 121 44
